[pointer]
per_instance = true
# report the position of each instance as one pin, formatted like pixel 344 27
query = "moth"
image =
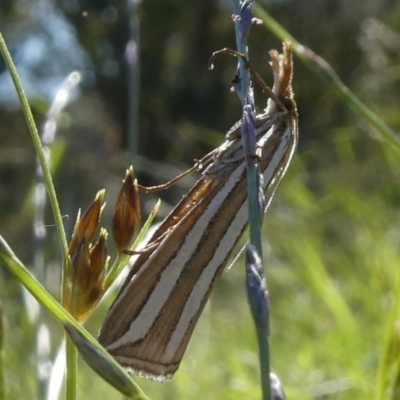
pixel 149 325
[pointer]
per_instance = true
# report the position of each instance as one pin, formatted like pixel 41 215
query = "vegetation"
pixel 331 235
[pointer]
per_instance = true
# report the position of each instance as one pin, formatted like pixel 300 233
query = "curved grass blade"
pixel 104 361
pixel 323 69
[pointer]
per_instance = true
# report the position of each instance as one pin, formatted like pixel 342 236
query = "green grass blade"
pixel 389 365
pixel 323 69
pixel 10 260
pixel 38 146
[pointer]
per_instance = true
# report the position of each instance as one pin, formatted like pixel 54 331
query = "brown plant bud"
pixel 86 225
pixel 75 280
pixel 86 282
pixel 99 258
pixel 126 218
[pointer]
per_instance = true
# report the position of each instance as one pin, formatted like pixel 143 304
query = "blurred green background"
pixel 146 98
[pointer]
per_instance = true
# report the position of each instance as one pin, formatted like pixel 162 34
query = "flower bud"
pixel 86 225
pixel 126 218
pixel 98 257
pixel 86 282
pixel 85 279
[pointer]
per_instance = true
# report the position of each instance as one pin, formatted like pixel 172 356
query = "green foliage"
pixel 331 235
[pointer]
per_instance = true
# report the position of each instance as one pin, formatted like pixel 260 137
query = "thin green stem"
pixel 253 184
pixel 38 147
pixel 264 357
pixel 72 369
pixel 255 219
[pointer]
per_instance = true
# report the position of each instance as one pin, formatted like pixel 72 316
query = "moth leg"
pixel 197 166
pixel 149 246
pixel 146 249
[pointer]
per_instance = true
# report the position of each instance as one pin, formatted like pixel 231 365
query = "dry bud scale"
pixel 149 325
pixel 84 283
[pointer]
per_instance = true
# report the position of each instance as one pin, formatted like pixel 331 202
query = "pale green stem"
pixel 43 164
pixel 72 369
pixel 38 147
